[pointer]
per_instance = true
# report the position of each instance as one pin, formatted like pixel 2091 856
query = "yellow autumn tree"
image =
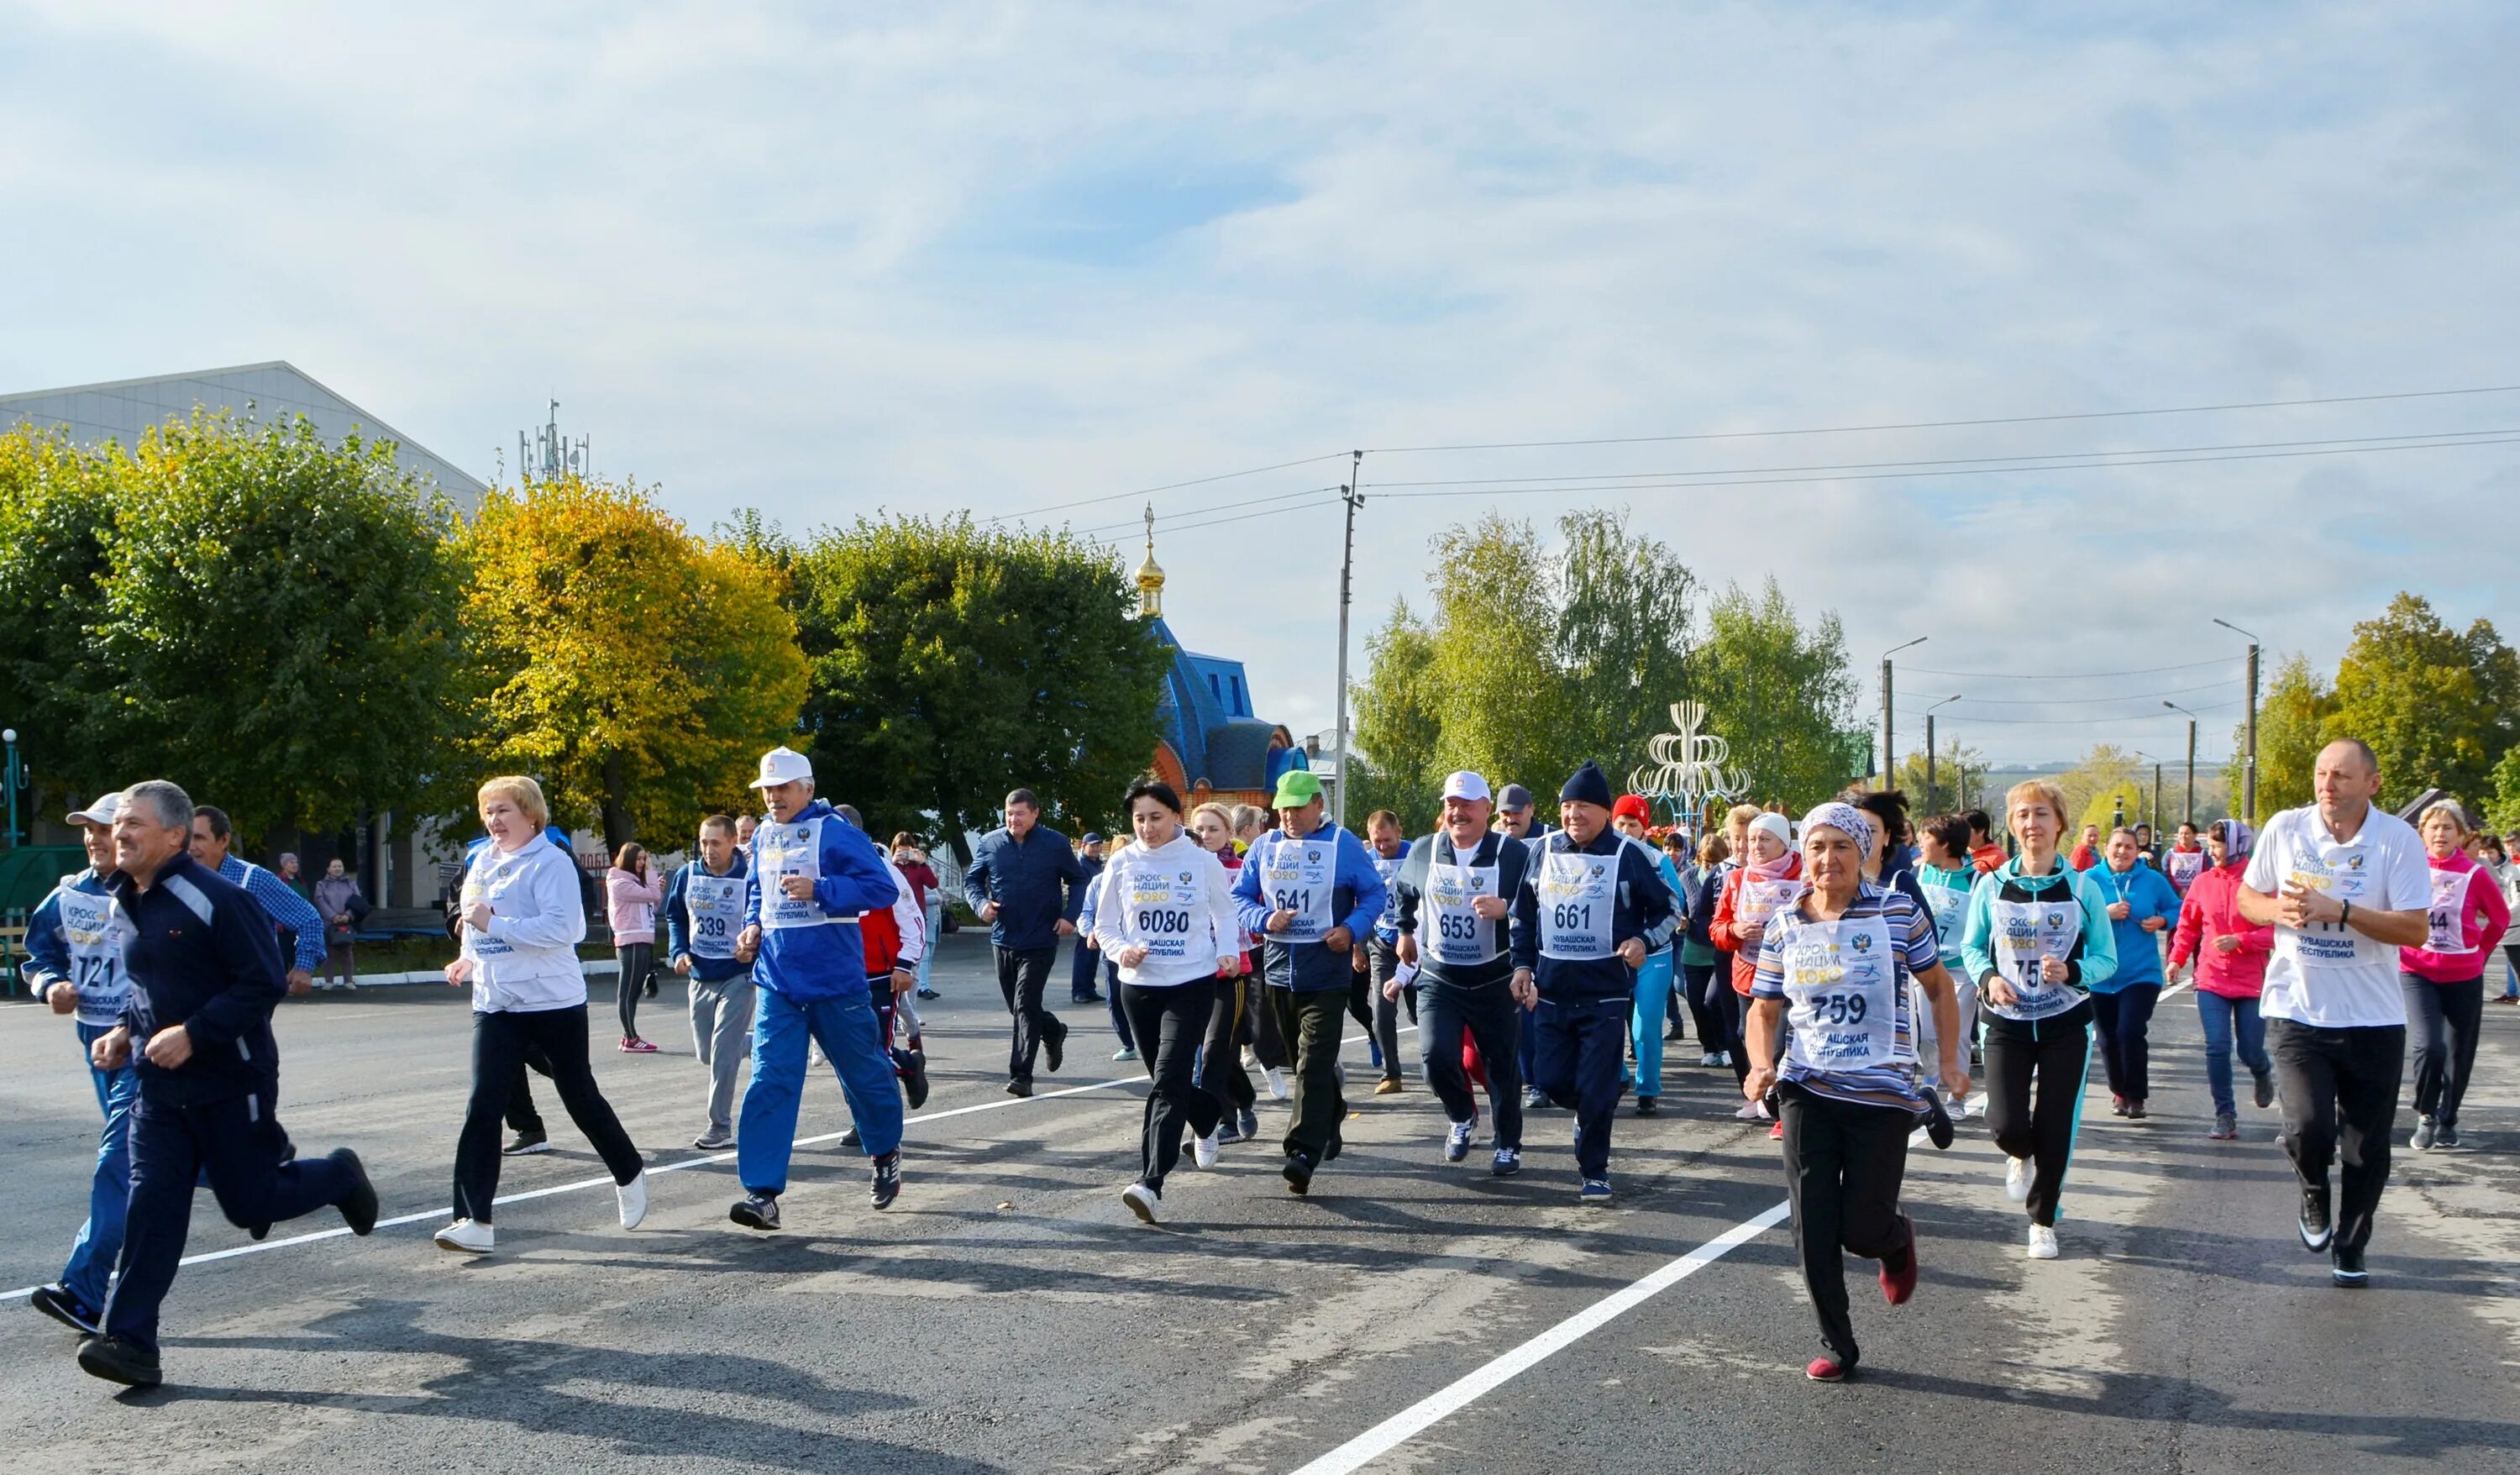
pixel 636 669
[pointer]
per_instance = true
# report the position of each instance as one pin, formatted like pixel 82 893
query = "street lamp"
pixel 1931 807
pixel 2191 755
pixel 14 779
pixel 2249 770
pixel 1889 762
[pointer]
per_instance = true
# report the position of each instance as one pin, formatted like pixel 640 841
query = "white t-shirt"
pixel 2330 976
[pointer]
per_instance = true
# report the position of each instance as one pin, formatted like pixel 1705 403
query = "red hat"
pixel 1632 807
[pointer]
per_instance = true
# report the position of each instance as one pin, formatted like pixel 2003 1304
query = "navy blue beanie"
pixel 1589 785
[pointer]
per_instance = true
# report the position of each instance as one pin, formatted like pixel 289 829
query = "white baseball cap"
pixel 783 765
pixel 102 812
pixel 1466 784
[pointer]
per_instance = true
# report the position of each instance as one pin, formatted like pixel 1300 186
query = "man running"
pixel 74 965
pixel 288 911
pixel 1308 888
pixel 1027 885
pixel 1453 889
pixel 2185 860
pixel 2345 886
pixel 703 916
pixel 1517 819
pixel 808 876
pixel 1591 908
pixel 1380 953
pixel 1084 963
pixel 206 973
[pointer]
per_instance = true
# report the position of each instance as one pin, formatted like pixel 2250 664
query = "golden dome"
pixel 1150 574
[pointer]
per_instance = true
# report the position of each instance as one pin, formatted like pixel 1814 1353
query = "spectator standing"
pixel 633 889
pixel 292 877
pixel 338 901
pixel 912 864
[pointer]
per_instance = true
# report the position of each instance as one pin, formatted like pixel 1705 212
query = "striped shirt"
pixel 1913 949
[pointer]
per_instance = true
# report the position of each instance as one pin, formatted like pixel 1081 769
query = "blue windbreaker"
pixel 813 950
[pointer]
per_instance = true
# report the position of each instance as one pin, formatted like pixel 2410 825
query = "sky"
pixel 832 261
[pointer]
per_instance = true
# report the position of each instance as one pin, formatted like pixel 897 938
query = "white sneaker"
pixel 1749 1112
pixel 1710 1058
pixel 467 1237
pixel 1203 1150
pixel 1278 1091
pixel 2043 1242
pixel 1125 1054
pixel 1142 1201
pixel 2016 1182
pixel 633 1200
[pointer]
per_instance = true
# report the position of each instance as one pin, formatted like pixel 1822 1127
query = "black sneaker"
pixel 929 993
pixel 1938 1121
pixel 359 1205
pixel 914 1078
pixel 2264 1094
pixel 118 1361
pixel 1053 1046
pixel 1248 1122
pixel 1019 1088
pixel 2445 1135
pixel 849 1137
pixel 1227 1131
pixel 761 1211
pixel 56 1302
pixel 1298 1173
pixel 523 1143
pixel 2346 1269
pixel 2315 1230
pixel 1648 1106
pixel 887 1179
pixel 651 988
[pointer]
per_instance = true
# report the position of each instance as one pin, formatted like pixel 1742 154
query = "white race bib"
pixel 1577 894
pixel 1760 900
pixel 1388 868
pixel 2342 871
pixel 2183 867
pixel 716 905
pixel 2446 919
pixel 2027 934
pixel 1949 906
pixel 96 953
pixel 781 851
pixel 1159 906
pixel 1297 877
pixel 1841 994
pixel 1463 937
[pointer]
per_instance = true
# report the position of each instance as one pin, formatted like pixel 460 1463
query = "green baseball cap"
pixel 1295 789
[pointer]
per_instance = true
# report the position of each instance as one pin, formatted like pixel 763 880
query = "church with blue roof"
pixel 1210 745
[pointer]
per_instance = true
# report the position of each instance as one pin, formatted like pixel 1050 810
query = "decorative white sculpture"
pixel 1691 764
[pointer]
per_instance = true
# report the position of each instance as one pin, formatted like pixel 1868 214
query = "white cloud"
pixel 963 258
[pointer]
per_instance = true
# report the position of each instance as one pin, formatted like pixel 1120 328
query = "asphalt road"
pixel 1009 1315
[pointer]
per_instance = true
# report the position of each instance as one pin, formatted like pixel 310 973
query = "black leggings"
pixel 2441 1021
pixel 1844 1164
pixel 2123 1017
pixel 499 1041
pixel 1705 1014
pixel 2057 1051
pixel 636 959
pixel 1170 1025
pixel 1220 1067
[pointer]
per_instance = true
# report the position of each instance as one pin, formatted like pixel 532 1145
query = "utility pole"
pixel 2249 768
pixel 1932 788
pixel 2156 803
pixel 2191 756
pixel 1889 757
pixel 1347 582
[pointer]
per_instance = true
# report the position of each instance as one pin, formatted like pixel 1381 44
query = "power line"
pixel 1309 491
pixel 2193 665
pixel 1169 486
pixel 2366 450
pixel 1609 480
pixel 2056 721
pixel 1183 527
pixel 1949 425
pixel 2071 701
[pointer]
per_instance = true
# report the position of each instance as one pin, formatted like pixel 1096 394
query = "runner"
pixel 1835 971
pixel 2037 940
pixel 74 966
pixel 2087 850
pixel 1517 818
pixel 1594 907
pixel 1946 874
pixel 1769 875
pixel 1885 813
pixel 704 913
pixel 633 888
pixel 2142 907
pixel 1085 965
pixel 1630 817
pixel 2144 850
pixel 1027 885
pixel 1455 887
pixel 894 939
pixel 1984 853
pixel 2444 980
pixel 2185 860
pixel 1220 1067
pixel 1308 887
pixel 1382 952
pixel 1087 948
pixel 1165 914
pixel 2344 887
pixel 522 919
pixel 2510 878
pixel 808 877
pixel 911 862
pixel 286 911
pixel 2228 964
pixel 204 973
pixel 1705 975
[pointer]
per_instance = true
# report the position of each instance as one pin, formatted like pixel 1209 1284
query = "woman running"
pixel 1631 816
pixel 1711 999
pixel 632 890
pixel 1164 916
pixel 1947 876
pixel 2229 954
pixel 2037 938
pixel 2444 980
pixel 1219 1070
pixel 2141 906
pixel 1834 972
pixel 521 923
pixel 1753 892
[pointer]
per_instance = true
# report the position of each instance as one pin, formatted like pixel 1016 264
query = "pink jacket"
pixel 2212 910
pixel 2482 917
pixel 630 903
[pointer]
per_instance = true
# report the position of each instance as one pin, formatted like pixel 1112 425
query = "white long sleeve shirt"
pixel 528 959
pixel 1177 902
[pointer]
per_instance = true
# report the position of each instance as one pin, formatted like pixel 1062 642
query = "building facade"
pixel 1212 746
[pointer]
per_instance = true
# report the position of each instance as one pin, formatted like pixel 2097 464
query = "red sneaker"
pixel 1776 1132
pixel 637 1047
pixel 1827 1370
pixel 1900 1284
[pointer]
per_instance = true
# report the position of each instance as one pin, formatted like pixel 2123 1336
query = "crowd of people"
pixel 1859 971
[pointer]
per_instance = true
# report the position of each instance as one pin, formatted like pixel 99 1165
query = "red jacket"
pixel 1720 931
pixel 2482 917
pixel 2212 910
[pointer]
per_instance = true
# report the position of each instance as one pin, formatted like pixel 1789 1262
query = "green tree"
pixel 636 670
pixel 952 663
pixel 55 527
pixel 1781 693
pixel 2437 705
pixel 2502 812
pixel 1623 634
pixel 1507 710
pixel 1399 723
pixel 2107 778
pixel 272 623
pixel 1951 756
pixel 2292 716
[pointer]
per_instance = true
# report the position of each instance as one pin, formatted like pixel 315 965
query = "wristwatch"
pixel 2345 913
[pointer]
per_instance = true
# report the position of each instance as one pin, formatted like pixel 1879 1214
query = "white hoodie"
pixel 1176 901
